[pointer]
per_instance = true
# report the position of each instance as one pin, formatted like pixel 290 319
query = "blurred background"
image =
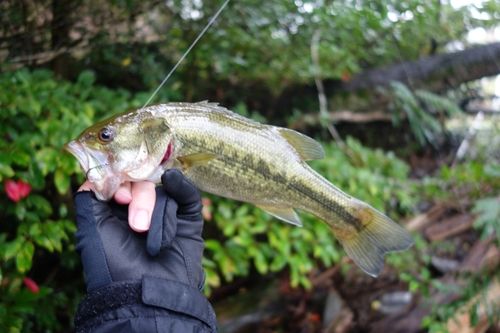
pixel 403 95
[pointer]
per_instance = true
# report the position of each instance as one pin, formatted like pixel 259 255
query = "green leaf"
pixel 86 78
pixel 47 158
pixel 212 278
pixel 13 324
pixel 20 211
pixel 261 263
pixel 213 245
pixel 35 230
pixel 414 286
pixel 488 220
pixel 229 229
pixel 12 248
pixel 41 204
pixel 278 263
pixel 61 181
pixel 63 211
pixel 27 297
pixel 6 170
pixel 44 242
pixel 24 257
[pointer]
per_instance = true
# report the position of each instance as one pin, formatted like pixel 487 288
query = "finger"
pixel 142 205
pixel 86 186
pixel 123 195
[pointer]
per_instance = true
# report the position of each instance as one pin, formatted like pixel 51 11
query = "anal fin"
pixel 286 214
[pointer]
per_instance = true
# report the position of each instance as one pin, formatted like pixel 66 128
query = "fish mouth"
pixel 89 159
pixel 97 169
pixel 79 152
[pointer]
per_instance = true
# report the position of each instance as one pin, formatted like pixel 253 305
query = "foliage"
pixel 421 108
pixel 271 44
pixel 472 186
pixel 471 296
pixel 471 180
pixel 488 221
pixel 251 44
pixel 39 114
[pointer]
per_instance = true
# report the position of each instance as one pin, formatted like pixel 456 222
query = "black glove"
pixel 111 251
pixel 165 262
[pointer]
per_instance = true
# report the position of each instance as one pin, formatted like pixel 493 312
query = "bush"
pixel 38 115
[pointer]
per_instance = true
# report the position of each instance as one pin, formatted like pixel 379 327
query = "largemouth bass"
pixel 234 157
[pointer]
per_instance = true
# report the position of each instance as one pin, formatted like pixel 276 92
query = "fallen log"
pixel 437 73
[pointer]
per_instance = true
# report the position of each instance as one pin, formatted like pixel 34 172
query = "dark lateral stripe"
pixel 246 162
pixel 340 211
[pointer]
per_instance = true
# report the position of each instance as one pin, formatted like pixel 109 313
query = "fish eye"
pixel 106 135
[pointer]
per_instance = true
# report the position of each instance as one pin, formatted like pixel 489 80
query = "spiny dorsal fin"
pixel 307 148
pixel 196 159
pixel 286 214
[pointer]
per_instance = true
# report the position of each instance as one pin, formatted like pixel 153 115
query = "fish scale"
pixel 229 155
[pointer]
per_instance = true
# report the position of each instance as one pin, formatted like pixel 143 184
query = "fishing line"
pixel 187 51
pixel 402 62
pixel 89 170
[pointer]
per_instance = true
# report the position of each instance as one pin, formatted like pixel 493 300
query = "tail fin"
pixel 380 235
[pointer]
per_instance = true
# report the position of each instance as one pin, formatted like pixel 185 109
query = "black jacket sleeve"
pixel 150 305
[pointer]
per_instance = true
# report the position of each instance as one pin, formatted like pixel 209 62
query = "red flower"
pixel 24 188
pixel 16 191
pixel 12 190
pixel 31 285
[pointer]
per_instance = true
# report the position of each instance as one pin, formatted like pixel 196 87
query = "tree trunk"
pixel 60 28
pixel 435 73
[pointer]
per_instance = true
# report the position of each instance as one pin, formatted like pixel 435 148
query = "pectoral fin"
pixel 307 148
pixel 286 214
pixel 196 159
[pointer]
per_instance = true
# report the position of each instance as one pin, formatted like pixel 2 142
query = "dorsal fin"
pixel 307 148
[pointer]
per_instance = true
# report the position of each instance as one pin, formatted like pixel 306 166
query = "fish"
pixel 226 154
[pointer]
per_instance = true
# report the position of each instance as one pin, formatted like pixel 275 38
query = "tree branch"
pixel 435 73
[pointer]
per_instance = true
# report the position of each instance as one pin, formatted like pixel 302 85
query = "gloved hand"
pixel 144 282
pixel 171 249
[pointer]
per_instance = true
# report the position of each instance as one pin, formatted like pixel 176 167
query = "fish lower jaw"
pixel 103 191
pixel 155 177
